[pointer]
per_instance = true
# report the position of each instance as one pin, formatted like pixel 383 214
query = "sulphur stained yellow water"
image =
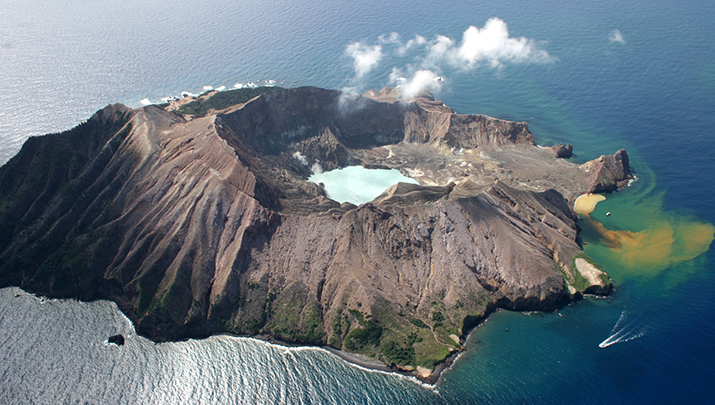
pixel 639 238
pixel 586 203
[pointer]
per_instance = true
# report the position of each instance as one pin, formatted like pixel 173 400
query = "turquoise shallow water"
pixel 651 93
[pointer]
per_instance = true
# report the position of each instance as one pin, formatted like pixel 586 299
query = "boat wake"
pixel 625 330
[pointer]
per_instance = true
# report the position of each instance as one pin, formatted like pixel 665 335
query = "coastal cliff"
pixel 204 224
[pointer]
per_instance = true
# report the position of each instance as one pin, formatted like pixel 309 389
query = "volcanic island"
pixel 196 218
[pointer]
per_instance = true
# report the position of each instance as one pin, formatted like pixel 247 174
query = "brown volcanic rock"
pixel 608 172
pixel 561 151
pixel 203 226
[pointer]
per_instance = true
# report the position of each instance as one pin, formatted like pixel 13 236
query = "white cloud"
pixel 617 37
pixel 393 38
pixel 418 40
pixel 488 46
pixel 423 80
pixel 365 58
pixel 439 47
pixel 350 101
pixel 493 45
pixel 396 76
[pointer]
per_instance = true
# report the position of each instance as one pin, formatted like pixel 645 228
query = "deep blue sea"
pixel 598 74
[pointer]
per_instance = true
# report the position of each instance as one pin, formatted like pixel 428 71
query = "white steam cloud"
pixel 438 48
pixel 412 43
pixel 489 46
pixel 393 38
pixel 302 159
pixel 617 37
pixel 350 101
pixel 365 58
pixel 492 44
pixel 421 82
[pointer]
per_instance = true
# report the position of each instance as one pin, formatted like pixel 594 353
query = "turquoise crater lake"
pixel 358 185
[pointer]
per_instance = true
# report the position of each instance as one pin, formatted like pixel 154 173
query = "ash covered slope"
pixel 207 225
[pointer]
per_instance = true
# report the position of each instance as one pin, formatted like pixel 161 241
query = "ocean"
pixel 601 75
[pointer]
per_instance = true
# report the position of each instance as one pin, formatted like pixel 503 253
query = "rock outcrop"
pixel 116 340
pixel 207 225
pixel 608 172
pixel 561 151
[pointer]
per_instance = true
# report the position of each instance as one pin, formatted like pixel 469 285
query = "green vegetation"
pixel 579 281
pixel 312 324
pixel 407 340
pixel 293 315
pixel 369 335
pixel 286 310
pixel 255 325
pixel 223 99
pixel 419 323
pixel 394 353
pixel 358 315
pixel 429 351
pixel 70 260
pixel 438 317
pixel 339 322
